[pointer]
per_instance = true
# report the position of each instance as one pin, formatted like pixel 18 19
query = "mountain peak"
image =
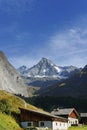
pixel 44 68
pixel 45 71
pixel 45 60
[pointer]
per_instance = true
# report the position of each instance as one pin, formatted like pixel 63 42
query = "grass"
pixel 15 101
pixel 78 128
pixel 8 123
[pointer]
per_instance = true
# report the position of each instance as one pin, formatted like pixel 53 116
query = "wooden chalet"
pixel 41 119
pixel 70 113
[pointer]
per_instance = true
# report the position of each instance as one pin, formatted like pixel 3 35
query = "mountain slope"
pixel 75 86
pixel 8 123
pixel 10 79
pixel 16 101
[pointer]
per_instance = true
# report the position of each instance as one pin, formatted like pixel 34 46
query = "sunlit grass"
pixel 15 101
pixel 8 123
pixel 78 128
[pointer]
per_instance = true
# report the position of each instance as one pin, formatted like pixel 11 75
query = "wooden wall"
pixel 73 114
pixel 31 116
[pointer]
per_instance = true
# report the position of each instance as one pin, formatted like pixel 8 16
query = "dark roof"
pixel 65 111
pixel 83 114
pixel 45 113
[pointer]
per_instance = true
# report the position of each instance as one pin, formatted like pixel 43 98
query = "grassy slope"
pixel 8 122
pixel 15 101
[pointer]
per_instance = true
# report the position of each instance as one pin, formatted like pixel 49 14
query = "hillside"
pixel 16 101
pixel 75 86
pixel 10 122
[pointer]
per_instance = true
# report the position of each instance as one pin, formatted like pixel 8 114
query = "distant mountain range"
pixel 46 68
pixel 45 73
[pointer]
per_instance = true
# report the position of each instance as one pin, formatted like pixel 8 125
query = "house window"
pixel 42 124
pixel 29 124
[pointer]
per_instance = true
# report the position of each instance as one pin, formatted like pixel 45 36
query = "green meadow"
pixel 78 128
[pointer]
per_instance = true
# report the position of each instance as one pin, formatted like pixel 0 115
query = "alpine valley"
pixel 45 79
pixel 63 86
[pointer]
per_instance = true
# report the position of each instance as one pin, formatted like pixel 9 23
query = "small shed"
pixel 42 119
pixel 70 113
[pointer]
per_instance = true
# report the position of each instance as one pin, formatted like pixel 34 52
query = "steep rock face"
pixel 10 79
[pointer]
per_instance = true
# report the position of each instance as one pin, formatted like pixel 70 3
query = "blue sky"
pixel 54 29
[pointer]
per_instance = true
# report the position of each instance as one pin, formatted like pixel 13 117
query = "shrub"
pixel 5 106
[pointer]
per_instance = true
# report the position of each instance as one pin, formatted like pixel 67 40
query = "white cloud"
pixel 69 46
pixel 70 39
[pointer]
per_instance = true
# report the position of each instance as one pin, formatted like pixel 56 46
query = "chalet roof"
pixel 45 113
pixel 83 114
pixel 65 111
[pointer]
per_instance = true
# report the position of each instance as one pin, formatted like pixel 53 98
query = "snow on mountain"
pixel 22 69
pixel 46 68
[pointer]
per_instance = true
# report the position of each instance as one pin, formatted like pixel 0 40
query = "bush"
pixel 5 106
